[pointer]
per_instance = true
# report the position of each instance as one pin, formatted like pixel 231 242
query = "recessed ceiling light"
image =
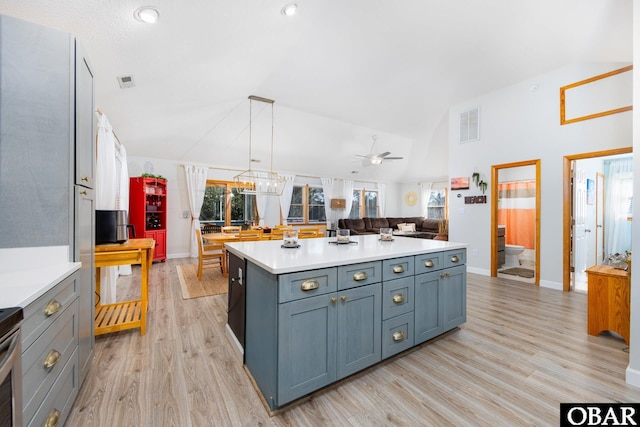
pixel 147 14
pixel 289 9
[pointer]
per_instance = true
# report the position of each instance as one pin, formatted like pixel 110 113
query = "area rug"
pixel 519 271
pixel 212 283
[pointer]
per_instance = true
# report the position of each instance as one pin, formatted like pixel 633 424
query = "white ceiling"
pixel 339 71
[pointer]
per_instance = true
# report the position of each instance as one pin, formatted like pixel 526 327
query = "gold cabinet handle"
pixel 398 336
pixel 398 298
pixel 83 193
pixel 343 298
pixel 455 258
pixel 53 418
pixel 52 358
pixel 52 308
pixel 398 268
pixel 85 178
pixel 309 285
pixel 428 263
pixel 360 276
pixel 443 275
pixel 334 300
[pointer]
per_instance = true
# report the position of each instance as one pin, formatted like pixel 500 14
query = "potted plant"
pixel 443 230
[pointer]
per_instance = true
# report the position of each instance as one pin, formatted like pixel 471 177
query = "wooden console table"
pixel 127 314
pixel 608 300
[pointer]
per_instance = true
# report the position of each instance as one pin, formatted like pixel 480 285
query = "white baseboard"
pixel 633 377
pixel 236 344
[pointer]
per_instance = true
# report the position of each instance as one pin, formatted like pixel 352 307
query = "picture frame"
pixel 461 183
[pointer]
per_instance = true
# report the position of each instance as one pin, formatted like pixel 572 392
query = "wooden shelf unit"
pixel 127 314
pixel 148 211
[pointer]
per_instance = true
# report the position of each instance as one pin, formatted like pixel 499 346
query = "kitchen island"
pixel 321 312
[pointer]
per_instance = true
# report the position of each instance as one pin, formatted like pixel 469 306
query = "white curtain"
pixel 425 191
pixel 382 198
pixel 122 193
pixel 285 197
pixel 107 186
pixel 618 195
pixel 347 191
pixel 196 177
pixel 327 190
pixel 261 206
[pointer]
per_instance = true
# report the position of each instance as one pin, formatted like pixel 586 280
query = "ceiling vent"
pixel 126 82
pixel 470 125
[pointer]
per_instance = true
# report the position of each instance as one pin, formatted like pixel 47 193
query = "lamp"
pixel 260 182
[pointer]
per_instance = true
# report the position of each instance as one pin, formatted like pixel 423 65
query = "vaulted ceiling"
pixel 339 71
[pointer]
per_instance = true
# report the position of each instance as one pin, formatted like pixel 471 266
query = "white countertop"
pixel 319 253
pixel 27 273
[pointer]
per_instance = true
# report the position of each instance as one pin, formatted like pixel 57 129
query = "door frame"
pixel 495 169
pixel 566 206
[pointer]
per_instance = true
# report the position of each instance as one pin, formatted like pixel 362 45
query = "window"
pixel 437 204
pixel 307 205
pixel 224 204
pixel 364 204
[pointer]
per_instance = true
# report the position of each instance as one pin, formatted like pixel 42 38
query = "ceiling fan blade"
pixel 394 158
pixel 385 154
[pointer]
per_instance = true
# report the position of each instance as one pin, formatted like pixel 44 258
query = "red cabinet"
pixel 148 212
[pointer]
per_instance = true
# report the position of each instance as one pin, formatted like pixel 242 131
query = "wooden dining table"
pixel 227 237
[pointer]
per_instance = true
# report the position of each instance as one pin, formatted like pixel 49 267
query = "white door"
pixel 579 256
pixel 599 218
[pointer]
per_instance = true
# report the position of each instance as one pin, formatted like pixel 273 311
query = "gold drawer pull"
pixel 85 178
pixel 343 298
pixel 398 298
pixel 52 308
pixel 455 258
pixel 52 358
pixel 398 336
pixel 398 268
pixel 53 418
pixel 443 275
pixel 428 263
pixel 83 193
pixel 334 300
pixel 309 285
pixel 360 276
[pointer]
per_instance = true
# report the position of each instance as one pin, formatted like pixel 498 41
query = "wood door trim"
pixel 494 214
pixel 566 206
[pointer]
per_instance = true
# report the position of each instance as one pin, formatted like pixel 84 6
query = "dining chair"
pixel 308 233
pixel 250 235
pixel 277 234
pixel 211 255
pixel 283 227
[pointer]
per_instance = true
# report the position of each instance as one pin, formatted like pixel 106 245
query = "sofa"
pixel 426 228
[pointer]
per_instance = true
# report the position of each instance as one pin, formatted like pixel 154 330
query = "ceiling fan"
pixel 375 159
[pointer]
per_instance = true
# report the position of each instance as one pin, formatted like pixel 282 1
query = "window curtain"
pixel 617 201
pixel 106 194
pixel 285 197
pixel 122 193
pixel 347 191
pixel 382 190
pixel 327 191
pixel 425 192
pixel 196 177
pixel 517 212
pixel 261 206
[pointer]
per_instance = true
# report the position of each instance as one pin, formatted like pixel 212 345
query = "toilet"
pixel 511 253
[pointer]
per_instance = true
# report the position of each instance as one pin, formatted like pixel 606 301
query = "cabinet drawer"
pixel 397 268
pixel 397 297
pixel 57 343
pixel 397 334
pixel 41 313
pixel 428 262
pixel 351 276
pixel 294 286
pixel 61 396
pixel 455 257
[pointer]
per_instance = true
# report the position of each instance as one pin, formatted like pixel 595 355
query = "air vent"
pixel 126 82
pixel 470 125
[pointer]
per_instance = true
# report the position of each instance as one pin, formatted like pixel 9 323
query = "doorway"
pixel 594 238
pixel 516 187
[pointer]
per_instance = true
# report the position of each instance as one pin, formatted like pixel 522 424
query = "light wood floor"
pixel 522 351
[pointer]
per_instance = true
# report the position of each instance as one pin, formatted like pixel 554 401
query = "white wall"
pixel 518 124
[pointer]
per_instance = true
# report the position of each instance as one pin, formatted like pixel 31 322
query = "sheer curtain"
pixel 382 199
pixel 196 177
pixel 347 190
pixel 261 206
pixel 327 191
pixel 617 201
pixel 106 194
pixel 285 197
pixel 122 193
pixel 425 191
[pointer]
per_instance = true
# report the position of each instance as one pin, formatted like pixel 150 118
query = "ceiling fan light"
pixel 289 9
pixel 376 160
pixel 147 14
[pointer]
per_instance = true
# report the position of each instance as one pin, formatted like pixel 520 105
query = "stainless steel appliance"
pixel 10 367
pixel 112 226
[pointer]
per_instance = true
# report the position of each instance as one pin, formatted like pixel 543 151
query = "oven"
pixel 10 367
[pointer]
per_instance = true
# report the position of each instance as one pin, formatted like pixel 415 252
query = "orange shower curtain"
pixel 517 212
